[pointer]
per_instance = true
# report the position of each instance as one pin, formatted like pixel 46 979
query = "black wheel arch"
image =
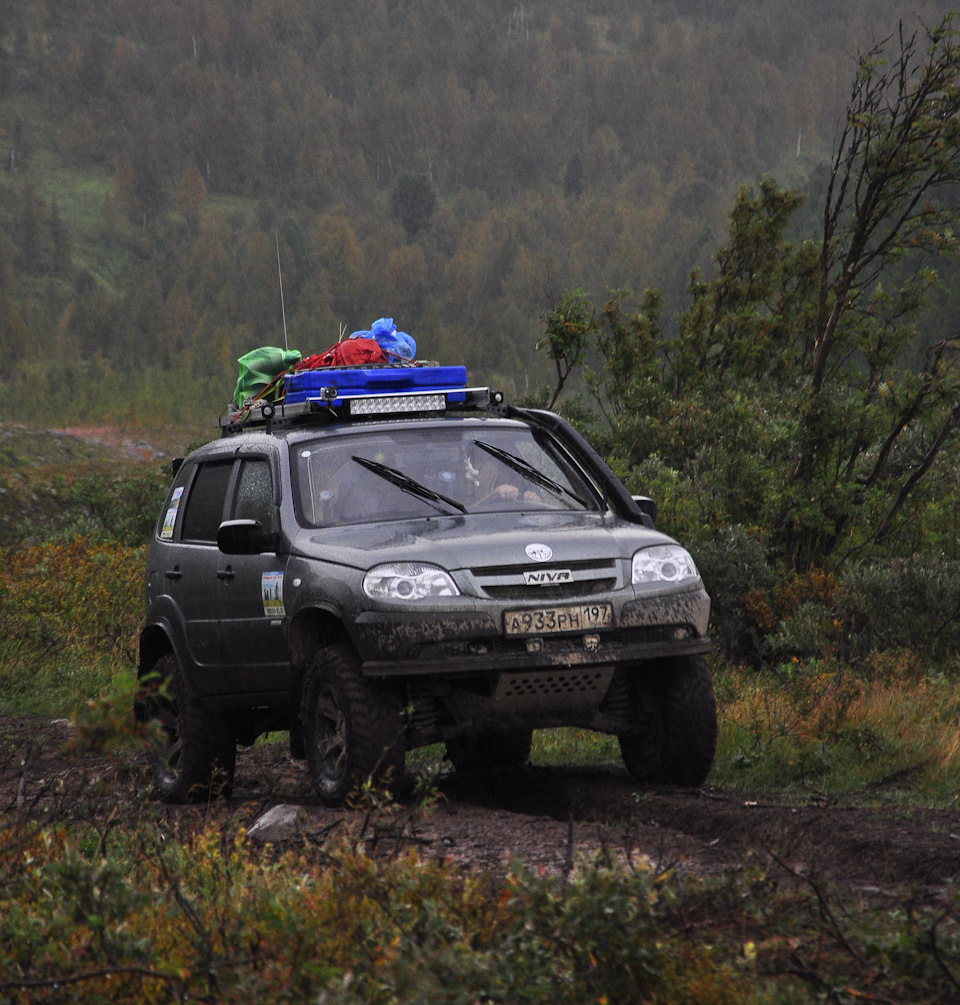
pixel 155 642
pixel 310 629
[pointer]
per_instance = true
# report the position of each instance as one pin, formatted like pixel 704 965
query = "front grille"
pixel 582 588
pixel 588 579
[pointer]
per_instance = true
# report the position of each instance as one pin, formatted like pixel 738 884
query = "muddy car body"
pixel 459 574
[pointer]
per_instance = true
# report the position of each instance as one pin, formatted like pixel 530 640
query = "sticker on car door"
pixel 271 588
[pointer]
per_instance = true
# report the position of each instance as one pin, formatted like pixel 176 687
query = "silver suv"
pixel 426 569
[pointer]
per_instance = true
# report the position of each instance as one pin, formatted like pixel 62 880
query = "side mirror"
pixel 245 537
pixel 648 508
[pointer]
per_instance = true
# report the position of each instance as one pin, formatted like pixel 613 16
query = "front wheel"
pixel 675 714
pixel 195 754
pixel 352 726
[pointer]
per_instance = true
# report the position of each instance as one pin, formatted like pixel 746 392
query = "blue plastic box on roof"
pixel 353 381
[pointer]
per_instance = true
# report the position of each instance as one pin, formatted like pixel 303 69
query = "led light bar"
pixel 393 403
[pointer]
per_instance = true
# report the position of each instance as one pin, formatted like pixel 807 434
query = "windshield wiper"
pixel 408 484
pixel 529 471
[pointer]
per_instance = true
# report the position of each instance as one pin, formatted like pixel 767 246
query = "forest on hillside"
pixel 453 165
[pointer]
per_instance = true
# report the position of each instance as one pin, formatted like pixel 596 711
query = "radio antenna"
pixel 283 310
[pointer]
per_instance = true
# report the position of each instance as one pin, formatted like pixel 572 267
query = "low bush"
pixel 71 611
pixel 735 569
pixel 903 603
pixel 821 726
pixel 103 914
pixel 122 509
pixel 104 917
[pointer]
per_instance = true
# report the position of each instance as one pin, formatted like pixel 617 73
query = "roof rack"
pixel 339 393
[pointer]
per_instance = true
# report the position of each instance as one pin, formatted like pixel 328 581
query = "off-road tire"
pixel 352 726
pixel 675 711
pixel 197 758
pixel 495 749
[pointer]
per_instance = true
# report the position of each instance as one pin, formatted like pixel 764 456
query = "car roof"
pixel 262 439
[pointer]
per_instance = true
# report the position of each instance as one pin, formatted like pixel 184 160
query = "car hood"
pixel 480 540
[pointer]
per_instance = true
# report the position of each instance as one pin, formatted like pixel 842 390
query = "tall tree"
pixel 897 155
pixel 413 202
pixel 789 379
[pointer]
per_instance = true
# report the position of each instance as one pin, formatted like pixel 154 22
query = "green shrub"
pixel 104 915
pixel 122 509
pixel 734 567
pixel 139 915
pixel 886 729
pixel 903 603
pixel 71 612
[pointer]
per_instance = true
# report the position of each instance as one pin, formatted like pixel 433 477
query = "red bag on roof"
pixel 352 352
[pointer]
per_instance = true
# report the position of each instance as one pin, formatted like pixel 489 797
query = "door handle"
pixel 226 574
pixel 174 573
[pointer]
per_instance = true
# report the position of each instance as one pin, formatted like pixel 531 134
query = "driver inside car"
pixel 492 479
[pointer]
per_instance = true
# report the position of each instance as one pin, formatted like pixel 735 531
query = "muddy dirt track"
pixel 548 817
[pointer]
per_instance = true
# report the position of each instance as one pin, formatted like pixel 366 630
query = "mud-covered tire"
pixel 495 749
pixel 674 708
pixel 196 759
pixel 352 726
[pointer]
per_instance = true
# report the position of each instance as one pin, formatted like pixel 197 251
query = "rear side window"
pixel 204 511
pixel 255 493
pixel 171 511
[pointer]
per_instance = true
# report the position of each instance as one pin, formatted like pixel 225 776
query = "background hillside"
pixel 454 165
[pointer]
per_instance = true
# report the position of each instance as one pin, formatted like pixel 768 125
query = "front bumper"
pixel 392 644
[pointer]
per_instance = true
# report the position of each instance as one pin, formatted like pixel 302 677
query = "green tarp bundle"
pixel 259 368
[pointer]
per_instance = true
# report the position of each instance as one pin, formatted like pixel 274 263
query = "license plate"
pixel 543 620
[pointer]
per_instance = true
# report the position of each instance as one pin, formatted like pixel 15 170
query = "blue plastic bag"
pixel 391 341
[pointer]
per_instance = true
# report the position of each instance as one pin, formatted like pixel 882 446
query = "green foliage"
pixel 734 567
pixel 572 746
pixel 413 202
pixel 746 327
pixel 71 613
pixel 496 154
pixel 910 603
pixel 122 509
pixel 570 326
pixel 96 914
pixel 884 732
pixel 139 917
pixel 787 409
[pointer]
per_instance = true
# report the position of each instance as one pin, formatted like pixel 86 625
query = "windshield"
pixel 421 471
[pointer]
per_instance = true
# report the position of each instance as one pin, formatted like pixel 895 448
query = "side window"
pixel 255 493
pixel 204 512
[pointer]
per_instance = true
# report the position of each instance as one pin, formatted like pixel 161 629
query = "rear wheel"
pixel 674 708
pixel 352 726
pixel 506 748
pixel 195 757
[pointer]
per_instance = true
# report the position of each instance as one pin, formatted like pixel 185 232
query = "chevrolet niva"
pixel 377 571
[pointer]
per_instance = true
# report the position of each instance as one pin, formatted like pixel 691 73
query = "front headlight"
pixel 408 581
pixel 665 563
